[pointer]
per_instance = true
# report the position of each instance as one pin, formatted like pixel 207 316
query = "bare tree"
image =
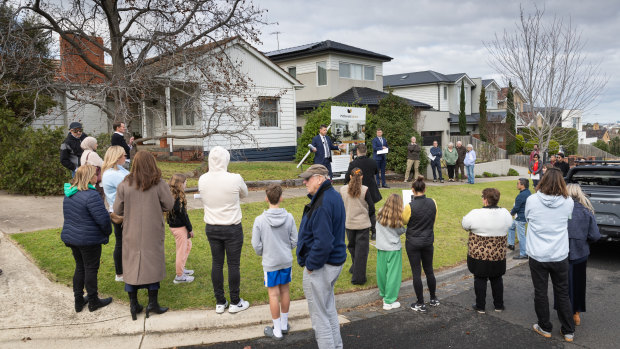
pixel 156 46
pixel 547 61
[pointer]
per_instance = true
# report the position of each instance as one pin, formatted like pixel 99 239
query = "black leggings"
pixel 225 241
pixel 118 248
pixel 424 255
pixel 87 260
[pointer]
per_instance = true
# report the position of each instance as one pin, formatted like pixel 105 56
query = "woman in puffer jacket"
pixel 86 227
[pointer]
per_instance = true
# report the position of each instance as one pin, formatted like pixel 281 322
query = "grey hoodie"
pixel 547 230
pixel 274 236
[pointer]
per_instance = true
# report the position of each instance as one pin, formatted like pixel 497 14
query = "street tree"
pixel 547 60
pixel 462 117
pixel 482 109
pixel 149 45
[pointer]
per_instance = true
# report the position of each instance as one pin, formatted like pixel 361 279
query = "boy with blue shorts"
pixel 274 236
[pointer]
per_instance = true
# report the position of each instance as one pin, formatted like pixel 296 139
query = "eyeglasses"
pixel 77 130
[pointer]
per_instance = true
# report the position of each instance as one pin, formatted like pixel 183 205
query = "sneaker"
pixel 520 257
pixel 569 337
pixel 499 310
pixel 119 278
pixel 478 310
pixel 511 247
pixel 434 181
pixel 434 302
pixel 542 332
pixel 441 181
pixel 220 308
pixel 269 333
pixel 405 181
pixel 183 279
pixel 418 307
pixel 288 328
pixel 391 306
pixel 188 272
pixel 241 306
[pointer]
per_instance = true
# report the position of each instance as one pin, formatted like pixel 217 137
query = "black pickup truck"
pixel 600 181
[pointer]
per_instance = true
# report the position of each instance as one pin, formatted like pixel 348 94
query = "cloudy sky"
pixel 443 35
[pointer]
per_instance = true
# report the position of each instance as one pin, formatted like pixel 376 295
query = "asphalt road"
pixel 454 325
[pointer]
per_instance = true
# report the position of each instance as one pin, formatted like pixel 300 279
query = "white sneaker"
pixel 220 308
pixel 391 306
pixel 241 306
pixel 119 278
pixel 183 279
pixel 188 272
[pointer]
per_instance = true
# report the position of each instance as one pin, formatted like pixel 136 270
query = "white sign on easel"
pixel 348 127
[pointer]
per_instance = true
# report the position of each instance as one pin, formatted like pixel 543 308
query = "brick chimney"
pixel 73 68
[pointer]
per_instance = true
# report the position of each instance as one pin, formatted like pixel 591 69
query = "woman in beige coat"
pixel 141 198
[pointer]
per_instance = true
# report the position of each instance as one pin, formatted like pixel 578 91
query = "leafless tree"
pixel 154 45
pixel 546 58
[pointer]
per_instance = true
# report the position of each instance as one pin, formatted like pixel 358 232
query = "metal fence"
pixel 484 151
pixel 587 150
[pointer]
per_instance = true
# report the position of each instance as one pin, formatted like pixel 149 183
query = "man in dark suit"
pixel 118 138
pixel 379 143
pixel 322 147
pixel 369 171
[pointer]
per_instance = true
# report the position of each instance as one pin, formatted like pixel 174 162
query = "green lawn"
pixel 250 171
pixel 454 202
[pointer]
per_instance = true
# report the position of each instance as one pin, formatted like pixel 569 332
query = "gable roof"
pixel 360 96
pixel 422 78
pixel 487 82
pixel 323 47
pixel 596 133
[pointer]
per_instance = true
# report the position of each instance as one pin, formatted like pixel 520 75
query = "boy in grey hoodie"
pixel 274 236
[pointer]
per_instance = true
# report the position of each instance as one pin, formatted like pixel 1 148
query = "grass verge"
pixel 51 255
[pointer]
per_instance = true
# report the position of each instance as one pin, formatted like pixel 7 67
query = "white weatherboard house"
pixel 183 105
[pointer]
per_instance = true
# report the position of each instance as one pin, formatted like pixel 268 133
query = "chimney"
pixel 73 68
pixel 595 126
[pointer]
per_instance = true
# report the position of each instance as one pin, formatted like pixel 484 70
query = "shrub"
pixel 104 141
pixel 601 145
pixel 30 163
pixel 488 174
pixel 512 172
pixel 529 146
pixel 175 158
pixel 554 147
pixel 519 143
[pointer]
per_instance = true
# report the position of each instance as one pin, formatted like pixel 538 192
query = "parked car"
pixel 600 181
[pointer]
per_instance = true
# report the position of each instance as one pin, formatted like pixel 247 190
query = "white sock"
pixel 277 330
pixel 284 321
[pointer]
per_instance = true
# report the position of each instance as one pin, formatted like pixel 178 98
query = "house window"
pixel 369 72
pixel 321 73
pixel 183 112
pixel 293 71
pixel 268 111
pixel 445 92
pixel 491 99
pixel 575 123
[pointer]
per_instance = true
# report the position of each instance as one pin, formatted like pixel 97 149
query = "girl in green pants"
pixel 389 258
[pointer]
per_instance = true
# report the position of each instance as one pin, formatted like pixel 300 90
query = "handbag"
pixel 116 219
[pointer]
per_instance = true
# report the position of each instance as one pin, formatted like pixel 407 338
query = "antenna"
pixel 277 34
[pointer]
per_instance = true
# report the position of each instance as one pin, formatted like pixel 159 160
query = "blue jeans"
pixel 381 168
pixel 470 174
pixel 436 165
pixel 519 226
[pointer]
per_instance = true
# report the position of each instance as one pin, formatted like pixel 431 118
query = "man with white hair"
pixel 460 161
pixel 413 159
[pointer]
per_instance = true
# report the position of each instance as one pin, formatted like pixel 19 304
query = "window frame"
pixel 277 112
pixel 288 69
pixel 318 65
pixel 184 101
pixel 363 66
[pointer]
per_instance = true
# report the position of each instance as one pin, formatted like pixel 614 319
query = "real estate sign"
pixel 348 127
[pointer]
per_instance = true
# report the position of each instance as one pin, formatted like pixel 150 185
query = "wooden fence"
pixel 484 151
pixel 587 150
pixel 520 160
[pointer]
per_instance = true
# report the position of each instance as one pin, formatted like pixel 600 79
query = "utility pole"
pixel 277 34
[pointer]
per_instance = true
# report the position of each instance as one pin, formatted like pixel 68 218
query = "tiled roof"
pixel 321 47
pixel 360 96
pixel 419 78
pixel 596 133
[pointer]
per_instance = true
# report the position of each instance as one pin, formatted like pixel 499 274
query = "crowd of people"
pixel 138 198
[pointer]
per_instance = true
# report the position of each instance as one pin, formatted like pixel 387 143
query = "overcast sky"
pixel 443 35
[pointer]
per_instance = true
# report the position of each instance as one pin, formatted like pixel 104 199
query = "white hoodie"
pixel 220 191
pixel 547 226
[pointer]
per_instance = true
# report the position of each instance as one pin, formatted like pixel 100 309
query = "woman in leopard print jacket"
pixel 486 256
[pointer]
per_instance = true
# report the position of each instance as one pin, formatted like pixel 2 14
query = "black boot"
pixel 153 306
pixel 80 302
pixel 134 306
pixel 95 302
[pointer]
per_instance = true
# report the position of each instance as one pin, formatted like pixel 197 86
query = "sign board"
pixel 348 127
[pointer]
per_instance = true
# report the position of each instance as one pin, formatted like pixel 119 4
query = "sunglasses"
pixel 77 130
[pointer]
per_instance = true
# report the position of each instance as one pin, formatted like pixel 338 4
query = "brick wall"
pixel 73 68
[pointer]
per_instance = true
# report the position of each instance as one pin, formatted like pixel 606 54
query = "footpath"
pixel 37 312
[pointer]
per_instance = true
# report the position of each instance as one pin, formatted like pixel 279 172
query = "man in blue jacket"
pixel 322 147
pixel 519 222
pixel 436 162
pixel 380 143
pixel 321 250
